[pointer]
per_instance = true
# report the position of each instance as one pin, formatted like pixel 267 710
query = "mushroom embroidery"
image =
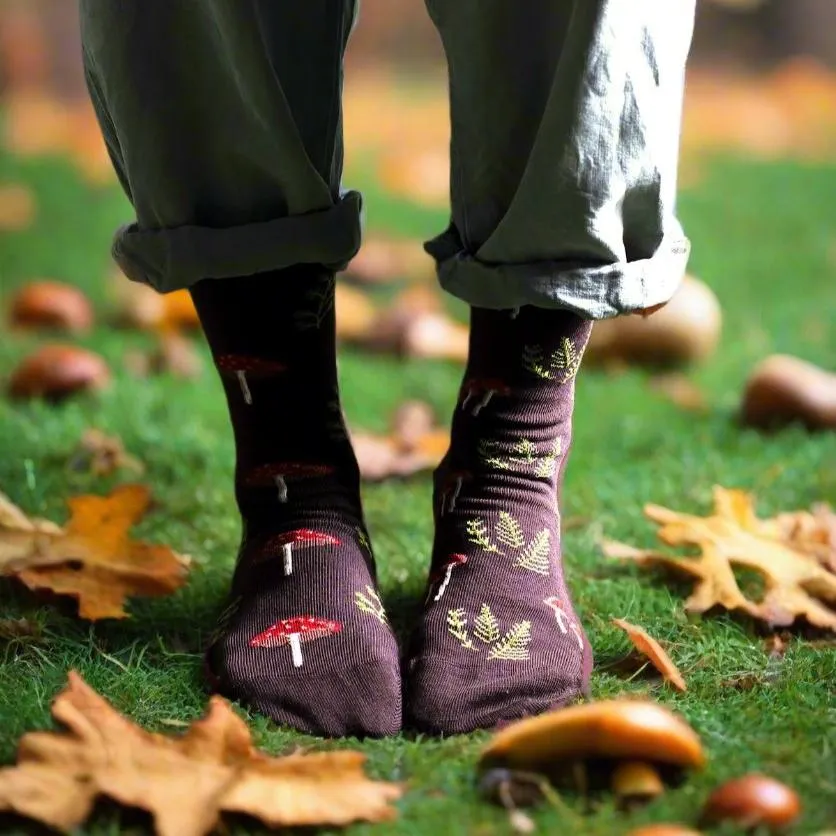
pixel 563 619
pixel 295 631
pixel 301 537
pixel 444 575
pixel 565 361
pixel 277 473
pixel 241 366
pixel 482 391
pixel 452 489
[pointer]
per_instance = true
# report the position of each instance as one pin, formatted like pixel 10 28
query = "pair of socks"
pixel 304 637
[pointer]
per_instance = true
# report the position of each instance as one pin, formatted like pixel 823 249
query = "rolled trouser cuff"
pixel 593 292
pixel 176 258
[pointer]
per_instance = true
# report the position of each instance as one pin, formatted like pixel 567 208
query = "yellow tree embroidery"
pixel 370 604
pixel 522 456
pixel 363 539
pixel 457 625
pixel 565 360
pixel 486 627
pixel 536 557
pixel 514 646
pixel 509 531
pixel 477 534
pixel 547 466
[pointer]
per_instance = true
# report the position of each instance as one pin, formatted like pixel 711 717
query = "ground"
pixel 763 239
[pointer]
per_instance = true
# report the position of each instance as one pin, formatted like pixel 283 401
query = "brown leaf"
pixel 140 306
pixel 420 176
pixel 356 313
pixel 680 391
pixel 185 782
pixel 17 208
pixel 174 355
pixel 648 646
pixel 385 260
pixel 102 455
pixel 796 585
pixel 91 558
pixel 812 532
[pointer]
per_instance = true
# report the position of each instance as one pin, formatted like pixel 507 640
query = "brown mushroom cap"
pixel 782 390
pixel 664 830
pixel 57 371
pixel 751 801
pixel 608 730
pixel 51 305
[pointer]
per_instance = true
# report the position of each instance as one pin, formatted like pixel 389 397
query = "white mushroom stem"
pixel 636 780
pixel 448 573
pixel 245 388
pixel 560 616
pixel 452 496
pixel 295 649
pixel 467 400
pixel 577 634
pixel 486 399
pixel 282 486
pixel 287 553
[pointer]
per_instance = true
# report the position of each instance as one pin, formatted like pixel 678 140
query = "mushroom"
pixel 452 488
pixel 278 473
pixel 241 366
pixel 664 830
pixel 300 537
pixel 686 330
pixel 483 391
pixel 784 390
pixel 56 371
pixel 294 631
pixel 750 802
pixel 563 618
pixel 633 745
pixel 51 305
pixel 444 575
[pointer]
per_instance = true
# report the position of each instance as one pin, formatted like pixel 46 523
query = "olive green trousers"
pixel 223 119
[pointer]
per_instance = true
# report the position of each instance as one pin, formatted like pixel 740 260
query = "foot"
pixel 304 637
pixel 499 638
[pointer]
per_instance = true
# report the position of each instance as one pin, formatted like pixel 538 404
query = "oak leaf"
pixel 796 584
pixel 184 782
pixel 656 654
pixel 92 558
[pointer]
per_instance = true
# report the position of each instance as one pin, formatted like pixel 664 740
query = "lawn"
pixel 764 237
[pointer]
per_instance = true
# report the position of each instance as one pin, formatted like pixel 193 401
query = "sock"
pixel 499 639
pixel 304 637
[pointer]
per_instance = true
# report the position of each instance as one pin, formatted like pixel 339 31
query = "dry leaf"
pixel 185 782
pixel 680 391
pixel 102 455
pixel 356 313
pixel 385 260
pixel 812 532
pixel 91 558
pixel 648 646
pixel 418 175
pixel 17 208
pixel 140 306
pixel 796 585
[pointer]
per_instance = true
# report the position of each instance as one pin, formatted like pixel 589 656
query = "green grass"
pixel 762 238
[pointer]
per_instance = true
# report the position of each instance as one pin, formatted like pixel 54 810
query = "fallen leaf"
pixel 680 391
pixel 812 532
pixel 102 455
pixel 796 585
pixel 184 782
pixel 174 355
pixel 140 306
pixel 648 646
pixel 91 558
pixel 420 176
pixel 356 313
pixel 17 208
pixel 385 260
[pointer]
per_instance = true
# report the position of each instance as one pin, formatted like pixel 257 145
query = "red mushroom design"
pixel 563 619
pixel 482 390
pixel 444 575
pixel 241 366
pixel 300 538
pixel 294 631
pixel 278 473
pixel 452 489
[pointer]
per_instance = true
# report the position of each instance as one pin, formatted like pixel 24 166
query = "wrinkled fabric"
pixel 223 120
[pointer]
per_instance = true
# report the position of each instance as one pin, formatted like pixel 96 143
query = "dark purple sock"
pixel 499 638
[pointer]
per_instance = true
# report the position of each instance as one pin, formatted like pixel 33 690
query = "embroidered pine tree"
pixel 371 604
pixel 457 625
pixel 526 451
pixel 534 362
pixel 567 359
pixel 363 539
pixel 489 453
pixel 547 465
pixel 514 645
pixel 477 534
pixel 509 531
pixel 536 557
pixel 486 627
pixel 322 303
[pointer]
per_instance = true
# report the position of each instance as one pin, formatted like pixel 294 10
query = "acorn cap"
pixel 610 730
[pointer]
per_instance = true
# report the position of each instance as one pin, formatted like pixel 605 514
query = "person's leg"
pixel 223 120
pixel 565 131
